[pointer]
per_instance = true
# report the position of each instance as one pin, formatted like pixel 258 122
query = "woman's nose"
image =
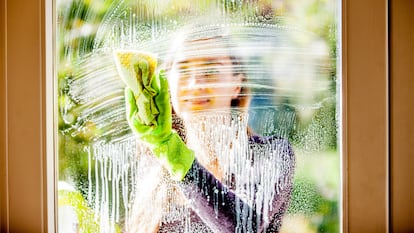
pixel 196 81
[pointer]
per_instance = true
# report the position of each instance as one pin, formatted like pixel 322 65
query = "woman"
pixel 224 178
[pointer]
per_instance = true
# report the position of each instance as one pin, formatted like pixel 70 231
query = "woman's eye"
pixel 184 73
pixel 210 72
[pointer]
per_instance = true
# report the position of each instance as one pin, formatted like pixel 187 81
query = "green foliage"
pixel 307 200
pixel 87 221
pixel 320 132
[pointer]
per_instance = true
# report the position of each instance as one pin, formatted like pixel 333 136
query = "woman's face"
pixel 203 83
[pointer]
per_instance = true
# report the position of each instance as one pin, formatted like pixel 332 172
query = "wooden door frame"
pixel 365 115
pixel 402 115
pixel 27 139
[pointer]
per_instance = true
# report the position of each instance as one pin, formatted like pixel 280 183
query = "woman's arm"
pixel 224 211
pixel 210 199
pixel 278 153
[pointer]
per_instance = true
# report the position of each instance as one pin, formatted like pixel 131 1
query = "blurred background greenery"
pixel 315 205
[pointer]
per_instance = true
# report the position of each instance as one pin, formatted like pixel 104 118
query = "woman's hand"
pixel 156 132
pixel 148 113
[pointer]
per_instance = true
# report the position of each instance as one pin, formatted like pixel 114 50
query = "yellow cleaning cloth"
pixel 137 70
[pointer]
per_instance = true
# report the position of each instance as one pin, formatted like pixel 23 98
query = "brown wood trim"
pixel 50 108
pixel 25 116
pixel 402 115
pixel 3 149
pixel 365 116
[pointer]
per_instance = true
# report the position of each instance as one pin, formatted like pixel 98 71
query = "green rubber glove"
pixel 166 144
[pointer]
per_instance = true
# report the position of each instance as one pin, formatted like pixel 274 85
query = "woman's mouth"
pixel 198 101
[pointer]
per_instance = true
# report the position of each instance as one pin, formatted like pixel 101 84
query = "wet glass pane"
pixel 198 116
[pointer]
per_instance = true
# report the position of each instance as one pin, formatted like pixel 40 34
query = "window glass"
pixel 198 116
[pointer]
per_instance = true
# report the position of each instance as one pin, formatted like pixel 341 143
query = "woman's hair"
pixel 243 99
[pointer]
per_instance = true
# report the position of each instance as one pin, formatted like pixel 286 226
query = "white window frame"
pixel 27 178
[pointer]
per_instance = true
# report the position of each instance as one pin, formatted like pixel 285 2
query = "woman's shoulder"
pixel 274 142
pixel 268 140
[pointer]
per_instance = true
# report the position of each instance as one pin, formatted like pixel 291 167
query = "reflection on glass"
pixel 203 116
